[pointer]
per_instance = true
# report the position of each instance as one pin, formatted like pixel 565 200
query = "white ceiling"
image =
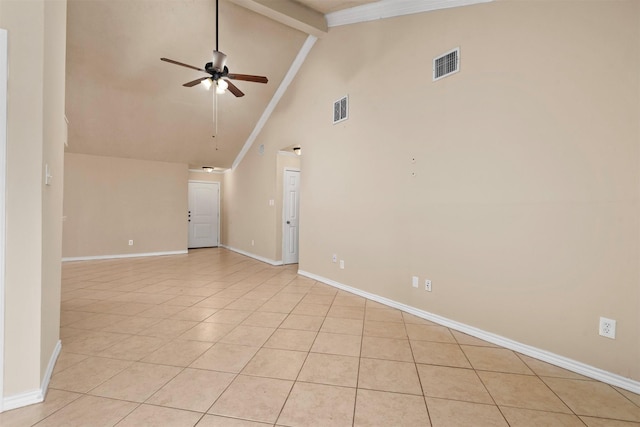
pixel 123 101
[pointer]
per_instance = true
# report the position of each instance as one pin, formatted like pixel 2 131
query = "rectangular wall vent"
pixel 341 110
pixel 446 64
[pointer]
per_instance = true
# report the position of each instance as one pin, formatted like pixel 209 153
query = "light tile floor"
pixel 213 338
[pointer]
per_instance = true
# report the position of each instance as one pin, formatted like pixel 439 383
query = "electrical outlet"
pixel 253 242
pixel 427 285
pixel 607 328
pixel 334 258
pixel 414 281
pixel 342 264
pixel 130 242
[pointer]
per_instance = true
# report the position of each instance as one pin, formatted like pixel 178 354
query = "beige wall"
pixel 204 176
pixel 248 215
pixel 55 24
pixel 523 210
pixel 109 201
pixel 34 137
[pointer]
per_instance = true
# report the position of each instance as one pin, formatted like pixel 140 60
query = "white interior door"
pixel 204 214
pixel 291 213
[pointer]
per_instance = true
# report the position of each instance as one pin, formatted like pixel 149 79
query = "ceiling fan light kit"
pixel 207 83
pixel 221 86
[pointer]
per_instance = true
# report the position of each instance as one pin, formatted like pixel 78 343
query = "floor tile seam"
pixel 546 411
pixel 571 411
pixel 505 372
pixel 486 389
pixel 462 347
pixel 70 366
pixel 120 420
pixel 298 376
pixel 79 395
pixel 235 375
pixel 424 399
pixel 626 397
pixel 131 362
pixel 607 419
pixel 98 355
pixel 355 400
pixel 121 371
pixel 168 407
pixel 445 366
pixel 433 340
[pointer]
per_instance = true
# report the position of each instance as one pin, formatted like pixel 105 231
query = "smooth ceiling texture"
pixel 122 101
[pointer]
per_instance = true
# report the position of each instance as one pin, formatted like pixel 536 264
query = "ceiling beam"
pixel 290 13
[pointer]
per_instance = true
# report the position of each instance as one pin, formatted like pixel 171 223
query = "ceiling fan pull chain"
pixel 215 116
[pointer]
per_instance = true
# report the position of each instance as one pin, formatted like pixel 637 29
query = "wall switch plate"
pixel 272 202
pixel 342 264
pixel 607 328
pixel 414 281
pixel 427 285
pixel 130 242
pixel 334 258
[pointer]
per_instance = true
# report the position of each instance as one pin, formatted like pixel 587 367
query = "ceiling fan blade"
pixel 182 64
pixel 195 82
pixel 234 89
pixel 248 78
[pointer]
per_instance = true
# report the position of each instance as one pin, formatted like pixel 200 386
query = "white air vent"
pixel 446 64
pixel 341 110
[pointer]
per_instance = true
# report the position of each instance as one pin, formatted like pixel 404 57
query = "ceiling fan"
pixel 218 72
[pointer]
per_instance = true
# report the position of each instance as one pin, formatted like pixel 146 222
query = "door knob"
pixel 288 222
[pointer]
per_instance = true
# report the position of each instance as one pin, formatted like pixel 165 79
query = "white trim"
pixel 22 399
pixel 391 8
pixel 52 364
pixel 204 182
pixel 116 256
pixel 4 71
pixel 34 396
pixel 288 78
pixel 546 356
pixel 287 154
pixel 254 256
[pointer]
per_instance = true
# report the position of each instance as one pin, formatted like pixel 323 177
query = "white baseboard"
pixel 545 356
pixel 254 256
pixel 52 364
pixel 34 396
pixel 145 254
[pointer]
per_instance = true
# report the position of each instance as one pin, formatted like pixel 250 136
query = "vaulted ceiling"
pixel 122 101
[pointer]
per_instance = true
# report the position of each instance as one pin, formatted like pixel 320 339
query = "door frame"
pixel 4 66
pixel 283 219
pixel 197 181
